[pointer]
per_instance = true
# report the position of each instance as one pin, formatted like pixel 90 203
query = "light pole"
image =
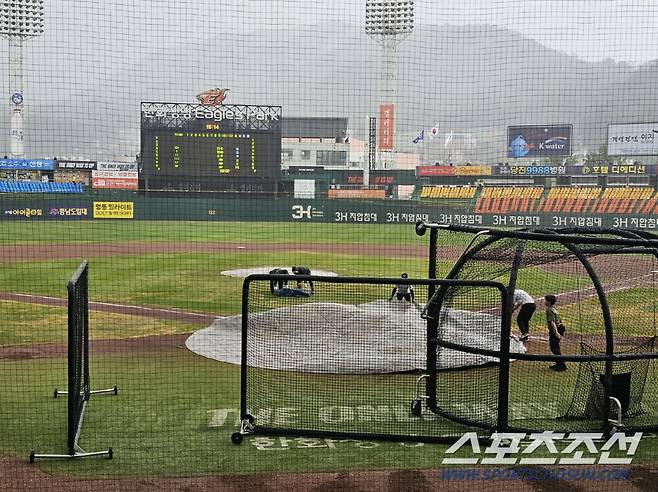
pixel 19 20
pixel 388 22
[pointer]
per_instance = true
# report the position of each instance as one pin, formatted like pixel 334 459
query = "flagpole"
pixel 424 157
pixel 421 139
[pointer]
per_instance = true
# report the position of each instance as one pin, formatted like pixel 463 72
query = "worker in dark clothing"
pixel 302 270
pixel 556 331
pixel 278 284
pixel 403 291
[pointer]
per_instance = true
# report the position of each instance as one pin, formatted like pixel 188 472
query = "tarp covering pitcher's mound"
pixel 377 337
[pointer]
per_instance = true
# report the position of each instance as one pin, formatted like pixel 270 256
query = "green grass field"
pixel 230 232
pixel 176 410
pixel 168 419
pixel 192 281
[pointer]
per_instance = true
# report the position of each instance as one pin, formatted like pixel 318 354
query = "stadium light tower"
pixel 388 22
pixel 19 20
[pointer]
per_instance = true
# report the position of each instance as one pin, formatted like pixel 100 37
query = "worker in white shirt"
pixel 526 306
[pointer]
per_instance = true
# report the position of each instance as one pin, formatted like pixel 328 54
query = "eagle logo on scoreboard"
pixel 212 97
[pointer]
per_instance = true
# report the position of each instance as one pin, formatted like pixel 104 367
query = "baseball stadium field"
pixel 152 284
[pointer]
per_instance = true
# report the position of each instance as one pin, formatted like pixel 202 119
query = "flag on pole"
pixel 420 137
pixel 448 138
pixel 434 131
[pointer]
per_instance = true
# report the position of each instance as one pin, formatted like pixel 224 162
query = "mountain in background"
pixel 83 99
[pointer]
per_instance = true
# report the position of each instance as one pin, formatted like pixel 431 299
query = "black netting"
pixel 347 359
pixel 182 145
pixel 78 352
pixel 471 317
pixel 627 383
pixel 605 288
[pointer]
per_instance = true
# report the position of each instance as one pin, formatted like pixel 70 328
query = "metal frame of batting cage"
pixel 248 426
pixel 635 242
pixel 79 391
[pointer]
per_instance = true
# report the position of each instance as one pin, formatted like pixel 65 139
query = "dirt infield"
pixel 624 267
pixel 20 475
pixel 120 346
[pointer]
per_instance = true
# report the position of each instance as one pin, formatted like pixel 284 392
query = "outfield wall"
pixel 213 207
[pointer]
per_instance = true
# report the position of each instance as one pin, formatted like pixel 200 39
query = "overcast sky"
pixel 624 30
pixel 592 29
pixel 97 58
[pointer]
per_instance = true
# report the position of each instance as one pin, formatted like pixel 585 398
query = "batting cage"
pixel 602 282
pixel 351 360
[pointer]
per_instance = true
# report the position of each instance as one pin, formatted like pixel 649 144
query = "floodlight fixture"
pixel 389 17
pixel 23 18
pixel 19 20
pixel 388 22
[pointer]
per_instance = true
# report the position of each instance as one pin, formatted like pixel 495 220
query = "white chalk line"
pixel 125 306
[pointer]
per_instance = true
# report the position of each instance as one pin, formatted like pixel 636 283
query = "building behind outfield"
pixel 315 142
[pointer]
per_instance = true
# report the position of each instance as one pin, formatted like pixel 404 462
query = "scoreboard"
pixel 189 146
pixel 209 153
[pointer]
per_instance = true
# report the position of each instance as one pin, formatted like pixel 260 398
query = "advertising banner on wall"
pixel 66 211
pixel 550 170
pixel 114 210
pixel 386 126
pixel 435 171
pixel 539 141
pixel 76 165
pixel 82 177
pixel 356 193
pixel 613 169
pixel 477 170
pixel 560 170
pixel 116 166
pixel 31 164
pixel 472 170
pixel 374 179
pixel 116 180
pixel 21 212
pixel 633 139
pixel 304 188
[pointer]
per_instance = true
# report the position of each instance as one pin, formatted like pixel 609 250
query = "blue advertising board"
pixel 539 141
pixel 29 164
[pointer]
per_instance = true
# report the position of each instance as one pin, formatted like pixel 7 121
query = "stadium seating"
pixel 628 193
pixel 503 199
pixel 627 200
pixel 567 199
pixel 451 192
pixel 12 186
pixel 512 192
pixel 573 192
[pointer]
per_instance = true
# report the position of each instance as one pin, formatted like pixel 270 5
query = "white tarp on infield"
pixel 245 272
pixel 377 337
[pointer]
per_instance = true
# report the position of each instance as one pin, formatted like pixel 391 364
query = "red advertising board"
pixel 386 126
pixel 117 180
pixel 435 171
